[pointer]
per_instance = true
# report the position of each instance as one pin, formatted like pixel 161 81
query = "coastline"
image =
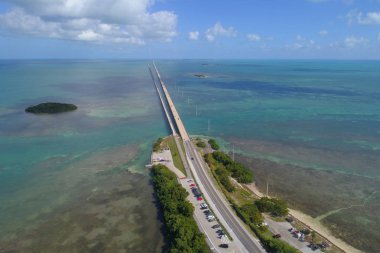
pixel 311 223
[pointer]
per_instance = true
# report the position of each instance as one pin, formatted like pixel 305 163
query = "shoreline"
pixel 312 223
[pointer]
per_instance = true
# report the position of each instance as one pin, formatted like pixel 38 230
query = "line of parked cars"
pixel 209 215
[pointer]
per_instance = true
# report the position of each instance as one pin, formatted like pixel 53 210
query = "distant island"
pixel 200 75
pixel 51 108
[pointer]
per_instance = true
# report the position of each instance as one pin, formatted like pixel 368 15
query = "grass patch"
pixel 170 142
pixel 242 196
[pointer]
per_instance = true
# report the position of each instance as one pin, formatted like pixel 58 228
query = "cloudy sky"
pixel 272 29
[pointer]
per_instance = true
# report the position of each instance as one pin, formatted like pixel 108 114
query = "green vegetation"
pixel 213 144
pixel 170 142
pixel 182 232
pixel 223 177
pixel 252 214
pixel 220 172
pixel 272 245
pixel 201 144
pixel 222 166
pixel 276 207
pixel 157 145
pixel 51 108
pixel 237 170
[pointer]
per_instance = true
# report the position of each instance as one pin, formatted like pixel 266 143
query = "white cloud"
pixel 323 33
pixel 193 35
pixel 303 43
pixel 370 18
pixel 352 41
pixel 254 37
pixel 121 21
pixel 219 30
pixel 89 35
pixel 299 37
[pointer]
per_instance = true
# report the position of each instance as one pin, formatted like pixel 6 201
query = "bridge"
pixel 222 209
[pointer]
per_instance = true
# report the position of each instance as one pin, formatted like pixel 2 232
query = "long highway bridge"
pixel 241 236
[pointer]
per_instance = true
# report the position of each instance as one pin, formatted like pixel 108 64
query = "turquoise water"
pixel 321 115
pixel 332 106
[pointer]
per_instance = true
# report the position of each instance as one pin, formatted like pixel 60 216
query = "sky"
pixel 186 29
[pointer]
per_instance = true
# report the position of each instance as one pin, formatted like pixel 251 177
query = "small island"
pixel 200 75
pixel 51 108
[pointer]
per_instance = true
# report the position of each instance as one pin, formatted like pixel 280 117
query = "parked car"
pixel 199 198
pixel 314 247
pixel 207 212
pixel 192 185
pixel 276 236
pixel 224 245
pixel 289 219
pixel 203 205
pixel 216 226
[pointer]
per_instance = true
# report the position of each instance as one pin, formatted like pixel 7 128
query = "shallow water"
pixel 316 118
pixel 64 180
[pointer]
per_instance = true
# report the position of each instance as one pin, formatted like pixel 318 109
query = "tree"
pixel 252 213
pixel 313 236
pixel 182 232
pixel 213 144
pixel 201 144
pixel 275 206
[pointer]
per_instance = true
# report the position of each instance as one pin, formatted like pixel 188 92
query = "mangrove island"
pixel 51 108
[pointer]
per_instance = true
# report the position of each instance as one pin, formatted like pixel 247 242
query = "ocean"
pixel 76 182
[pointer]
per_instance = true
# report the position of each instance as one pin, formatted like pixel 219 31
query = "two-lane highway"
pixel 249 242
pixel 198 168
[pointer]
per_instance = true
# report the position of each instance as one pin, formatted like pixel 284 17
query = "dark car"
pixel 289 219
pixel 224 245
pixel 216 226
pixel 276 236
pixel 314 247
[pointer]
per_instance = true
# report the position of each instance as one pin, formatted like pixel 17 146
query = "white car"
pixel 203 205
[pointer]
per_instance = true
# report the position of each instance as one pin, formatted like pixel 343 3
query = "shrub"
pixel 213 144
pixel 157 145
pixel 275 206
pixel 182 233
pixel 201 144
pixel 223 177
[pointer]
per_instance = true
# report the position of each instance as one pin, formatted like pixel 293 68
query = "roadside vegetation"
pixel 277 207
pixel 170 143
pixel 157 145
pixel 236 170
pixel 182 233
pixel 251 216
pixel 213 144
pixel 201 144
pixel 250 212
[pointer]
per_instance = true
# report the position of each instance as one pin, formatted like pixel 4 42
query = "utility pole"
pixel 208 126
pixel 267 187
pixel 233 152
